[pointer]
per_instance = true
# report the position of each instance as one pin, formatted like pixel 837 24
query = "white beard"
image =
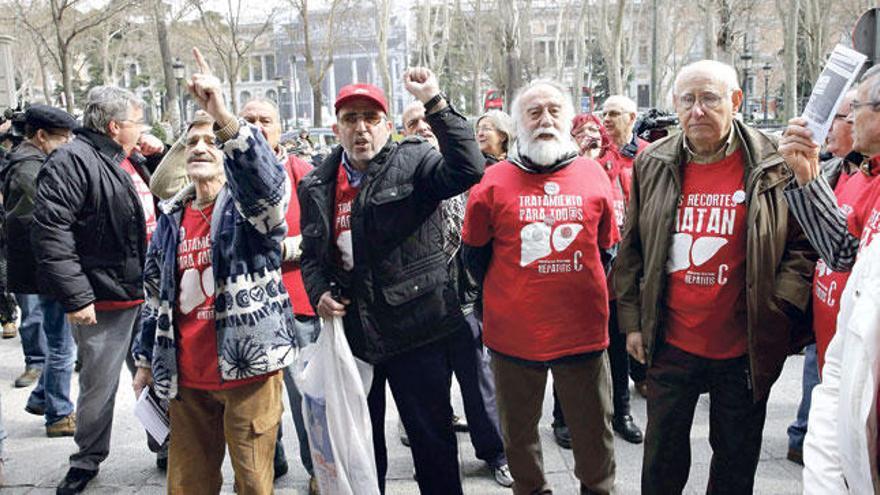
pixel 543 152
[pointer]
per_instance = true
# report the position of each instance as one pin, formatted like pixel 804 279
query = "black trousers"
pixel 419 381
pixel 675 381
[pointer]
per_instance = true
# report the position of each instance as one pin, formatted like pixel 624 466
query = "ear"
pixel 335 128
pixel 113 128
pixel 390 126
pixel 736 98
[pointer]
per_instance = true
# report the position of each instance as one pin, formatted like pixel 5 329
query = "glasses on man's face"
pixel 137 124
pixel 370 118
pixel 874 104
pixel 612 114
pixel 708 101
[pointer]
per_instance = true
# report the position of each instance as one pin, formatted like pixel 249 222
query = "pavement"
pixel 35 464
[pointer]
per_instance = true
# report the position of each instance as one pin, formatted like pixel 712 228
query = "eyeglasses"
pixel 708 101
pixel 856 104
pixel 370 118
pixel 612 113
pixel 840 116
pixel 486 128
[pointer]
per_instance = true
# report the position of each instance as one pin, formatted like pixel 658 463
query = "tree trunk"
pixel 44 77
pixel 580 52
pixel 615 72
pixel 67 80
pixel 318 104
pixel 171 102
pixel 789 11
pixel 709 30
pixel 513 78
pixel 477 59
pixel 382 23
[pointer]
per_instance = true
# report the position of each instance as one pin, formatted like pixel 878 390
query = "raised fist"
pixel 421 83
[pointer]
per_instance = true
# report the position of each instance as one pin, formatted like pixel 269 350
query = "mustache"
pixel 199 157
pixel 546 130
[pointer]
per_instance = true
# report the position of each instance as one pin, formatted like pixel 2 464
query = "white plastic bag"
pixel 334 386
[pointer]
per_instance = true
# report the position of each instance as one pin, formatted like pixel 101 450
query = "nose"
pixel 697 110
pixel 361 125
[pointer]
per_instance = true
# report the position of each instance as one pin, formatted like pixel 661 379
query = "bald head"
pixel 719 72
pixel 416 124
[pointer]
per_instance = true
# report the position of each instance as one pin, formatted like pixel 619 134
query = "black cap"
pixel 46 117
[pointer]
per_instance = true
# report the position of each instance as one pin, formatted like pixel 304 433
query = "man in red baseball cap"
pixel 372 228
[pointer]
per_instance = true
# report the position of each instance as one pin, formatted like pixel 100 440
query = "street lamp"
pixel 179 71
pixel 746 58
pixel 767 68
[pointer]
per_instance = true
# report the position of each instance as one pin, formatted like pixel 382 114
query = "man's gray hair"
pixel 265 101
pixel 107 103
pixel 567 108
pixel 719 71
pixel 870 78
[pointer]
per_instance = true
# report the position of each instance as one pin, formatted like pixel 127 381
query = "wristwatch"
pixel 433 102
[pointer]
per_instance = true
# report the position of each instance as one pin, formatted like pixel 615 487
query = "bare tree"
pixel 610 38
pixel 317 66
pixel 66 25
pixel 788 11
pixel 383 20
pixel 510 34
pixel 231 38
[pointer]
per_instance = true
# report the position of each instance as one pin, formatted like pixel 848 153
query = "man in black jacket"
pixel 371 227
pixel 46 128
pixel 92 215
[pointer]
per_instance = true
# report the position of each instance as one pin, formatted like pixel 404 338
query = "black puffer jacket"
pixel 401 294
pixel 88 232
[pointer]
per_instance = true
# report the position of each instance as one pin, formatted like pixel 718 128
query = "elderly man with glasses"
pixel 373 254
pixel 713 282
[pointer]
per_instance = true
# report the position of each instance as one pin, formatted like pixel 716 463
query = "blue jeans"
pixel 33 339
pixel 52 393
pixel 798 429
pixel 307 330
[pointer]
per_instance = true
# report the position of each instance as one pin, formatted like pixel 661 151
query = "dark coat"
pixel 88 231
pixel 402 297
pixel 19 179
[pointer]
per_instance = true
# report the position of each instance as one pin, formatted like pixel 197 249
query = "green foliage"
pixel 159 131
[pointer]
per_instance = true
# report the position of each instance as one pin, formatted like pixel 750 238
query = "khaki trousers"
pixel 584 389
pixel 205 422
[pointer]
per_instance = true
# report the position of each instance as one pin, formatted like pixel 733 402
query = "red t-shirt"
pixel 620 176
pixel 149 207
pixel 827 284
pixel 197 362
pixel 706 268
pixel 345 194
pixel 544 296
pixel 291 274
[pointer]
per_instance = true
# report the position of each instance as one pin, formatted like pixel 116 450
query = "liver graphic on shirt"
pixel 686 252
pixel 195 288
pixel 537 241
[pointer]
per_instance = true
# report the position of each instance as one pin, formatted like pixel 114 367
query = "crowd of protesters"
pixel 495 252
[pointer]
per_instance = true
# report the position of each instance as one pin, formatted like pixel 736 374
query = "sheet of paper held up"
pixel 835 80
pixel 153 415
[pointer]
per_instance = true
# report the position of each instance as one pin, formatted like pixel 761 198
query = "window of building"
pixel 270 66
pixel 257 65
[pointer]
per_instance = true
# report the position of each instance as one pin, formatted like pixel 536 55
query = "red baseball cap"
pixel 361 91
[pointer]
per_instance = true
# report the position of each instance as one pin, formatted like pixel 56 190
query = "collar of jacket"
pixel 760 152
pixel 103 143
pixel 326 173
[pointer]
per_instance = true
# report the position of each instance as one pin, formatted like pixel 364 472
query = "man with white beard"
pixel 535 232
